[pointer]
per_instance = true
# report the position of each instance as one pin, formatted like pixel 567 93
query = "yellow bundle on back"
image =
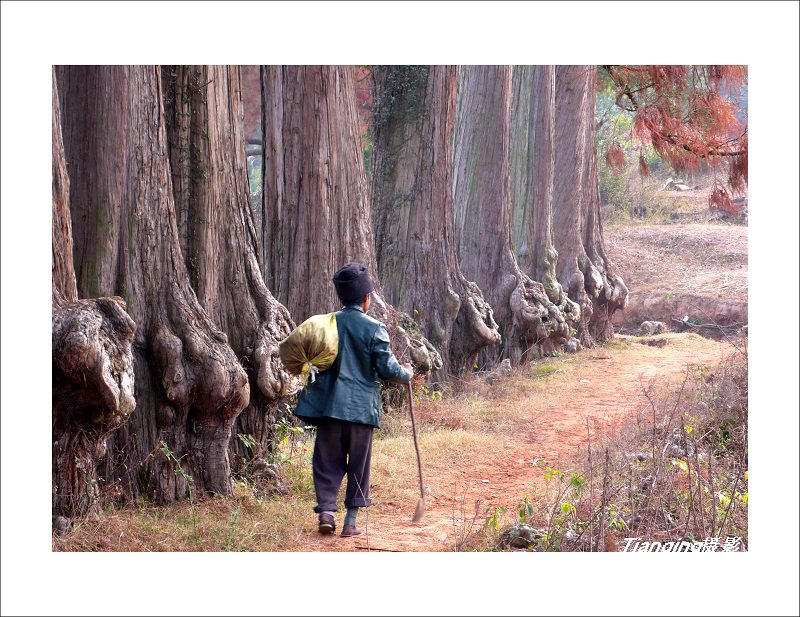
pixel 311 347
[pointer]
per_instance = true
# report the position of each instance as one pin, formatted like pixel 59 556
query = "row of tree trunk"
pixel 480 225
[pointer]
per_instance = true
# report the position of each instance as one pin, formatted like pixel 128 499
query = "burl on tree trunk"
pixel 581 268
pixel 92 361
pixel 413 116
pixel 315 208
pixel 190 386
pixel 530 323
pixel 219 242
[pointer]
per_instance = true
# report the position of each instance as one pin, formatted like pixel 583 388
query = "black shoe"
pixel 327 524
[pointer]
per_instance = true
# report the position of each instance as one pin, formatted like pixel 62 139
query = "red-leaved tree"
pixel 689 113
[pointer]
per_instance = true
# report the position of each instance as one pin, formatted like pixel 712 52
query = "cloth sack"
pixel 311 347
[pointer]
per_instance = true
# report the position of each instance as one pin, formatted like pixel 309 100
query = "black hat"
pixel 352 283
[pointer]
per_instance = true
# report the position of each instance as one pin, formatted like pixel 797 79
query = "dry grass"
pixel 700 260
pixel 242 522
pixel 394 471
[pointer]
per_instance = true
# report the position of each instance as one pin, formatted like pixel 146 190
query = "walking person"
pixel 345 404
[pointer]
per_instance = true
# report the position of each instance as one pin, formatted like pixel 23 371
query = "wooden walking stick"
pixel 420 511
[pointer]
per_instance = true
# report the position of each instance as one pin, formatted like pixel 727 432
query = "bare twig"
pixel 591 483
pixel 464 532
pixel 604 504
pixel 730 503
pixel 699 485
pixel 711 486
pixel 692 509
pixel 658 462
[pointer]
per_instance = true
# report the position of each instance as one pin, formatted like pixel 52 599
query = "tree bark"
pixel 576 220
pixel 614 293
pixel 530 323
pixel 204 119
pixel 92 361
pixel 574 270
pixel 532 165
pixel 315 207
pixel 520 127
pixel 64 286
pixel 190 386
pixel 413 118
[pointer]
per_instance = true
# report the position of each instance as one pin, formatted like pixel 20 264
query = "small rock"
pixel 61 524
pixel 680 446
pixel 655 342
pixel 501 370
pixel 571 534
pixel 261 468
pixel 573 345
pixel 649 328
pixel 520 536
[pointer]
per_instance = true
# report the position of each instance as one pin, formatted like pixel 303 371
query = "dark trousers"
pixel 342 448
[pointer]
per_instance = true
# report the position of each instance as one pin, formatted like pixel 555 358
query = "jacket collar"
pixel 356 306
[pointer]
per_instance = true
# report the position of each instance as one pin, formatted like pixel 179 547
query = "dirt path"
pixel 606 388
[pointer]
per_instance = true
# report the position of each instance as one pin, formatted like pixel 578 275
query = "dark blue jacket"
pixel 348 390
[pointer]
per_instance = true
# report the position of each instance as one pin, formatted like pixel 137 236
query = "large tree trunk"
pixel 574 270
pixel 316 213
pixel 532 163
pixel 190 386
pixel 575 178
pixel 413 117
pixel 218 236
pixel 92 361
pixel 530 323
pixel 614 293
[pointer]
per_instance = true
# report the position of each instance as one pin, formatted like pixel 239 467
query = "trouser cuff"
pixel 326 507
